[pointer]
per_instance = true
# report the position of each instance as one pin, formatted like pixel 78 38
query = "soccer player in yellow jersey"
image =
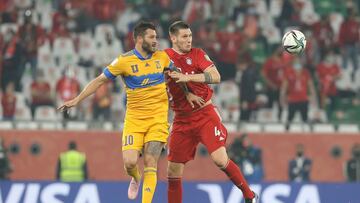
pixel 146 121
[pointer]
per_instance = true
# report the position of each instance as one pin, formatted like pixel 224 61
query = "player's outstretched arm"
pixel 89 89
pixel 210 76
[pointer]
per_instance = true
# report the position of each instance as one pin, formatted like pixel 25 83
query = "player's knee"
pixel 174 170
pixel 219 162
pixel 220 157
pixel 130 163
pixel 150 161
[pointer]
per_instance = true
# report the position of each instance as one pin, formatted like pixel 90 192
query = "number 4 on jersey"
pixel 218 133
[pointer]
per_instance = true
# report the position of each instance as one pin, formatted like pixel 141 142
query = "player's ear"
pixel 139 38
pixel 173 38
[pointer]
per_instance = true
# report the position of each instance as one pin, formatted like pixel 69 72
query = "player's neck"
pixel 178 51
pixel 141 51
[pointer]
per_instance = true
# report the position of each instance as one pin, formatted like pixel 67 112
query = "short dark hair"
pixel 141 27
pixel 72 145
pixel 177 25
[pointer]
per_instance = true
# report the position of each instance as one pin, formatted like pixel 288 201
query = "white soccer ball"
pixel 294 42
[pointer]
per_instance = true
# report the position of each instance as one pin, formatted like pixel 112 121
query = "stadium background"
pixel 68 42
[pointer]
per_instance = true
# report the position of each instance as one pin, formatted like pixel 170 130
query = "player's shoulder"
pixel 161 54
pixel 197 50
pixel 127 54
pixel 168 51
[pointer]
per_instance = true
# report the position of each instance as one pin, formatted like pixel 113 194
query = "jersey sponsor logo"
pixel 147 81
pixel 188 61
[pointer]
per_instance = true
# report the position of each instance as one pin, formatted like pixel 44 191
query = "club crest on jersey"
pixel 188 61
pixel 158 65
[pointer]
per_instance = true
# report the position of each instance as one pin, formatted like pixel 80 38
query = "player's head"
pixel 181 36
pixel 145 36
pixel 72 145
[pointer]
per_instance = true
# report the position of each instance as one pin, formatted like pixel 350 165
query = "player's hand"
pixel 68 104
pixel 193 99
pixel 179 77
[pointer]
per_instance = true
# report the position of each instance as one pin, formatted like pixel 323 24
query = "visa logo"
pixel 51 193
pixel 275 193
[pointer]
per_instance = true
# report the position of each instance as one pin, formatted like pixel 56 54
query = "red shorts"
pixel 203 126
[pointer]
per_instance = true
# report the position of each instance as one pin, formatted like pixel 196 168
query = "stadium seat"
pixel 299 128
pixel 76 125
pixel 108 126
pixel 87 46
pixel 230 127
pixel 251 127
pixel 22 114
pixel 50 125
pixel 234 115
pixel 163 43
pixel 348 128
pixel 272 34
pixel 81 76
pixel 308 14
pixel 106 53
pixel 345 82
pixel 225 115
pixel 44 8
pixel 5 26
pixel 274 128
pixel 64 51
pixel 101 30
pixel 323 128
pixel 336 19
pixel 22 110
pixel 275 8
pixel 28 125
pixel 45 56
pixel 45 113
pixel 6 125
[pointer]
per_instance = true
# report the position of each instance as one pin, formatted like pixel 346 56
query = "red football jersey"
pixel 326 74
pixel 297 85
pixel 194 62
pixel 273 69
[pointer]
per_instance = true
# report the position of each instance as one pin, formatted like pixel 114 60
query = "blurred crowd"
pixel 250 159
pixel 51 48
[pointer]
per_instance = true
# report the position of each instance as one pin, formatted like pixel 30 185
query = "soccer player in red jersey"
pixel 194 123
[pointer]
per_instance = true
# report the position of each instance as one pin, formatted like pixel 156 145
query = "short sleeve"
pixel 204 60
pixel 114 69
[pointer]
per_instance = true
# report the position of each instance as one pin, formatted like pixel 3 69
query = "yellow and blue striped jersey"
pixel 145 82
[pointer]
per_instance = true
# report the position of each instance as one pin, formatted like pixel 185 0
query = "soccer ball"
pixel 294 42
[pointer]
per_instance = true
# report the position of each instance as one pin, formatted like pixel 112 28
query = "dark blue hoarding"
pixel 194 192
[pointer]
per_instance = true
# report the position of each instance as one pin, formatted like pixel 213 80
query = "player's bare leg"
pixel 174 173
pixel 152 153
pixel 130 158
pixel 222 160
